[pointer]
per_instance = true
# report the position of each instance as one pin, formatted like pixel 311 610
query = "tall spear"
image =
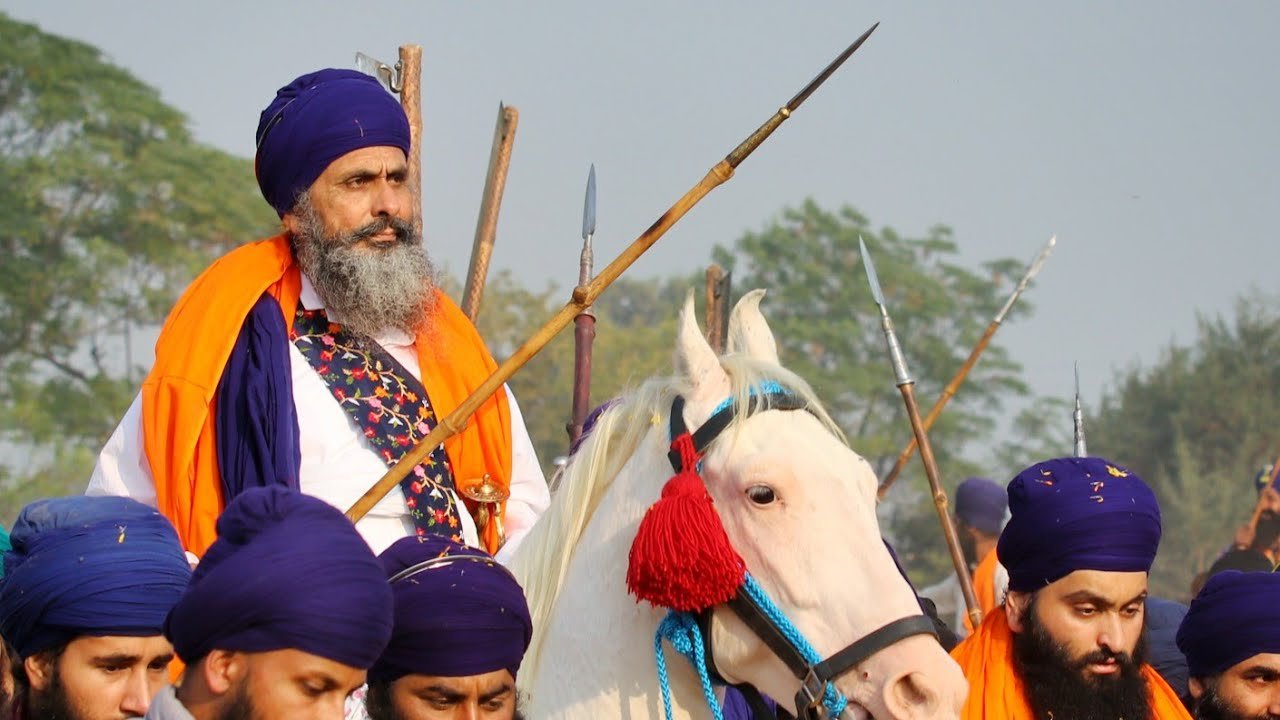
pixel 719 284
pixel 584 323
pixel 583 296
pixel 907 386
pixel 950 390
pixel 495 181
pixel 1077 420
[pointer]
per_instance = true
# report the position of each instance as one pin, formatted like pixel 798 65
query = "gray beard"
pixel 368 289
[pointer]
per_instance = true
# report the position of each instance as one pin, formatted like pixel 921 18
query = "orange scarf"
pixel 178 395
pixel 995 690
pixel 984 586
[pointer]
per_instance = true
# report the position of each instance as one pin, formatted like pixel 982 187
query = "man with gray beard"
pixel 317 358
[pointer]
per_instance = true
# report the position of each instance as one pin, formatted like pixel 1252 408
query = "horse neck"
pixel 596 654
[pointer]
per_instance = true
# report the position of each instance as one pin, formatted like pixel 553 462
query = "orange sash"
pixel 995 690
pixel 984 586
pixel 178 395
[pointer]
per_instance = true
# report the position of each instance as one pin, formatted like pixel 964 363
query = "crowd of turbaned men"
pixel 209 573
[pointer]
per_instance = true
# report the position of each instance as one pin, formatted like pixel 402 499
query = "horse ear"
pixel 694 357
pixel 749 333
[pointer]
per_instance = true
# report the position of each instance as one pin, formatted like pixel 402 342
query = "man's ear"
pixel 1015 609
pixel 291 223
pixel 1196 687
pixel 223 669
pixel 40 667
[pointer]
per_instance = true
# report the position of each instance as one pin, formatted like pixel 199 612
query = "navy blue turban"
pixel 288 571
pixel 981 503
pixel 458 612
pixel 1235 616
pixel 317 119
pixel 1074 514
pixel 88 566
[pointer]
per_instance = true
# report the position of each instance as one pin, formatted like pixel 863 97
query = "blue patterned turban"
pixel 317 119
pixel 288 571
pixel 1074 514
pixel 458 612
pixel 88 566
pixel 1235 616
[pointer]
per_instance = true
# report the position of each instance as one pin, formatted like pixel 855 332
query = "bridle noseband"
pixel 817 697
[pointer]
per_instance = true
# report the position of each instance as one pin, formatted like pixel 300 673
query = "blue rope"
pixel 682 631
pixel 768 387
pixel 831 698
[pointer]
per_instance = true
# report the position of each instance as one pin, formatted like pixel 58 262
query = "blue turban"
pixel 1074 514
pixel 288 571
pixel 981 504
pixel 317 119
pixel 458 612
pixel 1235 616
pixel 88 566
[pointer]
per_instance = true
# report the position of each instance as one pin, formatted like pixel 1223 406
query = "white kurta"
pixel 338 464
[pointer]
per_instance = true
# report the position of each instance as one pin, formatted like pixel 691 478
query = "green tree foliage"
pixel 828 328
pixel 1197 425
pixel 109 208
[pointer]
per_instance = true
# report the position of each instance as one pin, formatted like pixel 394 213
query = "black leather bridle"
pixel 813 676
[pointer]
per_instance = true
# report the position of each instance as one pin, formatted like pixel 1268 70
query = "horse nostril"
pixel 910 696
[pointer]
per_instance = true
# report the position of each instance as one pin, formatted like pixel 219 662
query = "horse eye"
pixel 761 494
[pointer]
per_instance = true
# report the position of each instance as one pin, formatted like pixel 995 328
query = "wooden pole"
pixel 411 100
pixel 495 181
pixel 585 295
pixel 719 284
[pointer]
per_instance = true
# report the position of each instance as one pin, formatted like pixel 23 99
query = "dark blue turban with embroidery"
pixel 1235 616
pixel 288 571
pixel 1074 514
pixel 88 566
pixel 458 612
pixel 317 119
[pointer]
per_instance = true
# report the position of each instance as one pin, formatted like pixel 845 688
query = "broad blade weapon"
pixel 583 296
pixel 495 181
pixel 906 386
pixel 954 385
pixel 584 323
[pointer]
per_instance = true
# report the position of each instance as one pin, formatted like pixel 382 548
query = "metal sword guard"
pixel 488 498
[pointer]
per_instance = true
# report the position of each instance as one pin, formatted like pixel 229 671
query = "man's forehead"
pixel 1262 662
pixel 369 158
pixel 1113 586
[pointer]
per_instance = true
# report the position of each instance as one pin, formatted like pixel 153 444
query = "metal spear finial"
pixel 586 264
pixel 1077 419
pixel 895 350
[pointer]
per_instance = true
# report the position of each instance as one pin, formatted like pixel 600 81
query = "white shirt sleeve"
pixel 122 467
pixel 530 496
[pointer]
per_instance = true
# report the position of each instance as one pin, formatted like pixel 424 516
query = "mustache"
pixel 1102 655
pixel 402 228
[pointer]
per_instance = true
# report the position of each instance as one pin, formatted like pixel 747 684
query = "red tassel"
pixel 681 557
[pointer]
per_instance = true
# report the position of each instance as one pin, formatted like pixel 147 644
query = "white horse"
pixel 799 507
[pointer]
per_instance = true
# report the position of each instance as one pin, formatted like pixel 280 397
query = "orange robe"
pixel 178 418
pixel 984 587
pixel 995 690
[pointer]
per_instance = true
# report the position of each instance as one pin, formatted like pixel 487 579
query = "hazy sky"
pixel 1142 133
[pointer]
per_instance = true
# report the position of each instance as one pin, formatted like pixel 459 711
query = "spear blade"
pixel 872 278
pixel 890 337
pixel 589 206
pixel 1077 420
pixel 1032 270
pixel 804 94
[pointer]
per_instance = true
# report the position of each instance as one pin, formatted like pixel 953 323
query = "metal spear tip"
pixel 870 265
pixel 589 206
pixel 804 94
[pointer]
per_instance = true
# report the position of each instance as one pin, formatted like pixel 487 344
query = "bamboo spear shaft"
pixel 954 385
pixel 411 100
pixel 584 295
pixel 718 287
pixel 495 181
pixel 906 386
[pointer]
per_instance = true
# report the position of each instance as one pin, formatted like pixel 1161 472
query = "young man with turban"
pixel 980 510
pixel 317 358
pixel 87 584
pixel 1231 638
pixel 1068 642
pixel 461 629
pixel 283 616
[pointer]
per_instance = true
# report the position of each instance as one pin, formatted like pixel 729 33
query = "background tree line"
pixel 109 207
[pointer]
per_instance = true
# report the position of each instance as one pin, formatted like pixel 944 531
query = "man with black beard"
pixel 317 358
pixel 1067 644
pixel 1231 638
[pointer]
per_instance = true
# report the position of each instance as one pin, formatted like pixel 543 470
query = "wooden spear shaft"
pixel 718 282
pixel 495 182
pixel 411 101
pixel 958 379
pixel 584 295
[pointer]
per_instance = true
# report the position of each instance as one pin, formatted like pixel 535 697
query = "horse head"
pixel 797 508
